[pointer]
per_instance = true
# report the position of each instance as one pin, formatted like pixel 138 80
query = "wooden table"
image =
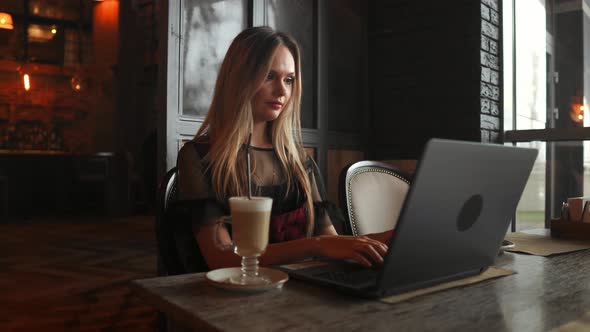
pixel 544 294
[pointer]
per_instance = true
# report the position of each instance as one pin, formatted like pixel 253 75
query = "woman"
pixel 258 92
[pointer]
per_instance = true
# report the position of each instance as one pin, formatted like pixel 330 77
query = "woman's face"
pixel 276 90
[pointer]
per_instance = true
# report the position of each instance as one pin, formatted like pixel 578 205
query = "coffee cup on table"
pixel 578 208
pixel 250 219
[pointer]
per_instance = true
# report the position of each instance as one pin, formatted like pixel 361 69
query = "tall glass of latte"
pixel 250 218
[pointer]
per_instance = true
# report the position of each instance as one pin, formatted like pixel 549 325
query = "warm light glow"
pixel 105 34
pixel 27 82
pixel 76 82
pixel 6 21
pixel 39 33
pixel 582 108
pixel 53 29
pixel 581 117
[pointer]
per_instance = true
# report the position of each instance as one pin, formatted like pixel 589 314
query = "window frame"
pixel 548 135
pixel 27 19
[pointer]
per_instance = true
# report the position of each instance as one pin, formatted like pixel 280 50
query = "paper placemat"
pixel 579 325
pixel 544 245
pixel 490 273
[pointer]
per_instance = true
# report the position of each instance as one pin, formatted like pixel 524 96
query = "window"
pixel 545 101
pixel 45 31
pixel 209 28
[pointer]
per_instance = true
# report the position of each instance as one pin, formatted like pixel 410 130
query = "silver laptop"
pixel 452 223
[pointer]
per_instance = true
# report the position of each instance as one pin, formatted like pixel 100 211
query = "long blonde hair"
pixel 230 120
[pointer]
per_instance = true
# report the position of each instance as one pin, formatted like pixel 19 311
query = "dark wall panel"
pixel 298 17
pixel 346 52
pixel 425 74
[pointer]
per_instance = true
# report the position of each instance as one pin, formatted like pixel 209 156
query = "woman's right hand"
pixel 361 249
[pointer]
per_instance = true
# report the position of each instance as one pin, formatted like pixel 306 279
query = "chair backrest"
pixel 178 250
pixel 373 193
pixel 168 257
pixel 170 189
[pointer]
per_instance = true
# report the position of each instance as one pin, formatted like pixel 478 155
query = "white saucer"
pixel 220 278
pixel 506 245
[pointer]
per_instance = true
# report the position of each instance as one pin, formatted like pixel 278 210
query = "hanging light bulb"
pixel 23 73
pixel 27 82
pixel 79 80
pixel 53 29
pixel 76 83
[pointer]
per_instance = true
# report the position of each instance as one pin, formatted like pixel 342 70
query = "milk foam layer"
pixel 256 204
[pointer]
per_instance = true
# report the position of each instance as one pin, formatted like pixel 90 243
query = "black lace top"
pixel 196 204
pixel 267 180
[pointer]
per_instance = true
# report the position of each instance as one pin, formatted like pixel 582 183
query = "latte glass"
pixel 250 219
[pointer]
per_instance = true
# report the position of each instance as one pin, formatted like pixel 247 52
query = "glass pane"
pixel 45 43
pixel 508 68
pixel 209 28
pixel 62 10
pixel 297 18
pixel 531 49
pixel 345 35
pixel 570 161
pixel 530 212
pixel 572 64
pixel 567 165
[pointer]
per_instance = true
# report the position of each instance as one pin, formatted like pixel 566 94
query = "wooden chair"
pixel 373 193
pixel 167 260
pixel 178 251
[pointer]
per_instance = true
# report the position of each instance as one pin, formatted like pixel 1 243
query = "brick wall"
pixel 83 120
pixel 50 116
pixel 491 71
pixel 114 112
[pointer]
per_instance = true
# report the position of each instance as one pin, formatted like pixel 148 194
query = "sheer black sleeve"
pixel 194 207
pixel 194 190
pixel 326 212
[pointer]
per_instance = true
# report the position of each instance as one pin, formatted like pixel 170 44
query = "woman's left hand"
pixel 362 249
pixel 383 237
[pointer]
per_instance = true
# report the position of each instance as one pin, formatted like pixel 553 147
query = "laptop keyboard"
pixel 363 277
